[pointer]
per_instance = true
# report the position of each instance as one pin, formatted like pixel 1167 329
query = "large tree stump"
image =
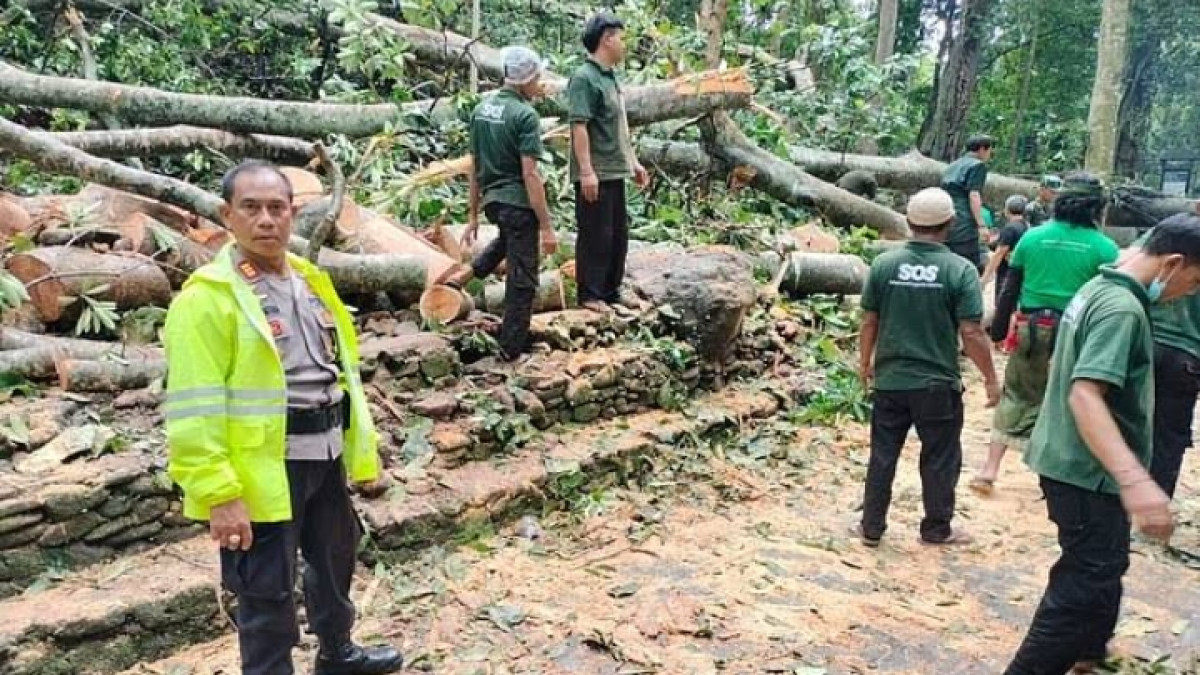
pixel 56 274
pixel 108 376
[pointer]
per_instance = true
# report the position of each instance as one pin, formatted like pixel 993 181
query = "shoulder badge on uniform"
pixel 248 270
pixel 278 328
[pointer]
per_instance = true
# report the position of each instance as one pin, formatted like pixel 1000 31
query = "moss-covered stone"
pixel 65 501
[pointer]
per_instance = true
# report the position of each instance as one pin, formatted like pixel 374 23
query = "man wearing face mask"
pixel 1047 267
pixel 1176 376
pixel 1092 448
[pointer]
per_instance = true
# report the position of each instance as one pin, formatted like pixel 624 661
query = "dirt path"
pixel 758 575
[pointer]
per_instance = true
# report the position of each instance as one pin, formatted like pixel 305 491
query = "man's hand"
pixel 1149 508
pixel 641 177
pixel 993 393
pixel 549 241
pixel 591 186
pixel 229 526
pixel 468 236
pixel 866 374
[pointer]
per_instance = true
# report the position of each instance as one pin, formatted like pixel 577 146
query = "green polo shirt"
pixel 504 128
pixel 966 175
pixel 1104 336
pixel 1057 259
pixel 1177 323
pixel 922 292
pixel 594 98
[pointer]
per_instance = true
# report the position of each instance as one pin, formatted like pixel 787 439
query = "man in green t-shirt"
pixel 1042 208
pixel 964 180
pixel 506 143
pixel 1047 267
pixel 1092 447
pixel 918 300
pixel 602 158
pixel 1176 376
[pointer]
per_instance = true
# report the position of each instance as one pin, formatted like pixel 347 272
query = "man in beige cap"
pixel 917 302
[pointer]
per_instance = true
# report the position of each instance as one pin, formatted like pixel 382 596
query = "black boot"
pixel 343 657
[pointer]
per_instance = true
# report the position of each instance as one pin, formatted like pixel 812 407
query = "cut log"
pixel 108 376
pixel 443 304
pixel 809 273
pixel 551 295
pixel 14 219
pixel 401 277
pixel 180 139
pixel 362 231
pixel 306 186
pixel 40 362
pixel 56 274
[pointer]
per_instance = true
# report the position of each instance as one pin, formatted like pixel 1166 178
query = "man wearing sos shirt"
pixel 917 302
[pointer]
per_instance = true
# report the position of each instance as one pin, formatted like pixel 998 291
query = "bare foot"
pixel 982 486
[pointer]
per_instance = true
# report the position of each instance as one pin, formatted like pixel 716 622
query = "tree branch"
pixel 325 227
pixel 183 139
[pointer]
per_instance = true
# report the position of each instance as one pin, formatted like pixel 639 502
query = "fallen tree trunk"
pixel 909 173
pixel 362 231
pixel 181 139
pixel 809 273
pixel 56 157
pixel 57 276
pixel 764 171
pixel 108 376
pixel 401 277
pixel 688 97
pixel 39 361
pixel 1136 207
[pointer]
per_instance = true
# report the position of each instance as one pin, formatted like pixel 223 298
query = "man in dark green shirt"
pixel 918 301
pixel 506 143
pixel 602 158
pixel 1092 447
pixel 964 181
pixel 1048 266
pixel 1176 376
pixel 1042 208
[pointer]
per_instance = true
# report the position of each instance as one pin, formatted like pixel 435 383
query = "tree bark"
pixel 550 295
pixel 1023 97
pixel 55 274
pixel 712 17
pixel 402 277
pixel 1134 120
pixel 885 42
pixel 108 376
pixel 1108 87
pixel 53 156
pixel 945 135
pixel 34 357
pixel 180 139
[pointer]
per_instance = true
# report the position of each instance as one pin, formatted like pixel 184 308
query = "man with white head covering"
pixel 506 142
pixel 918 302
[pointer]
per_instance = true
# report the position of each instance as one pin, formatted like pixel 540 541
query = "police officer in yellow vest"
pixel 266 420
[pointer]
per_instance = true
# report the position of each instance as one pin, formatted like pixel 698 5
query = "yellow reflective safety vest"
pixel 226 398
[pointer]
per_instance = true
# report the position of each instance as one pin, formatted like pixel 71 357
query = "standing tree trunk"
pixel 1023 97
pixel 945 135
pixel 885 44
pixel 1134 118
pixel 712 20
pixel 1108 88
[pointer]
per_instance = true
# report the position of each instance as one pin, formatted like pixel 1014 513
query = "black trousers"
pixel 970 251
pixel 1079 610
pixel 325 529
pixel 602 243
pixel 520 243
pixel 938 416
pixel 1176 383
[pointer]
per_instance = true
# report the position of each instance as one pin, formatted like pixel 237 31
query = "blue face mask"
pixel 1155 290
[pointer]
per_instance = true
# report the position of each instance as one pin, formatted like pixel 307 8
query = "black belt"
pixel 318 420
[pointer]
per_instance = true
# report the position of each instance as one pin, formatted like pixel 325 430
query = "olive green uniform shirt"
pixel 1057 259
pixel 1104 336
pixel 1177 323
pixel 966 175
pixel 921 293
pixel 504 128
pixel 594 98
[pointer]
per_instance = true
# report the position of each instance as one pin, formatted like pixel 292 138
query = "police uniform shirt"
pixel 305 337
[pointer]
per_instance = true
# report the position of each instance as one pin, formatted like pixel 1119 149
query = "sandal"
pixel 982 486
pixel 956 538
pixel 857 531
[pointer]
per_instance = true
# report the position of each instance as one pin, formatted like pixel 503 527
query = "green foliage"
pixel 12 292
pixel 98 317
pixel 141 326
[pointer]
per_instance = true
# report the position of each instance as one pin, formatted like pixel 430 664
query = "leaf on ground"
pixel 623 590
pixel 505 617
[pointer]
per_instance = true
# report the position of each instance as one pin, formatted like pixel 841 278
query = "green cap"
pixel 1052 182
